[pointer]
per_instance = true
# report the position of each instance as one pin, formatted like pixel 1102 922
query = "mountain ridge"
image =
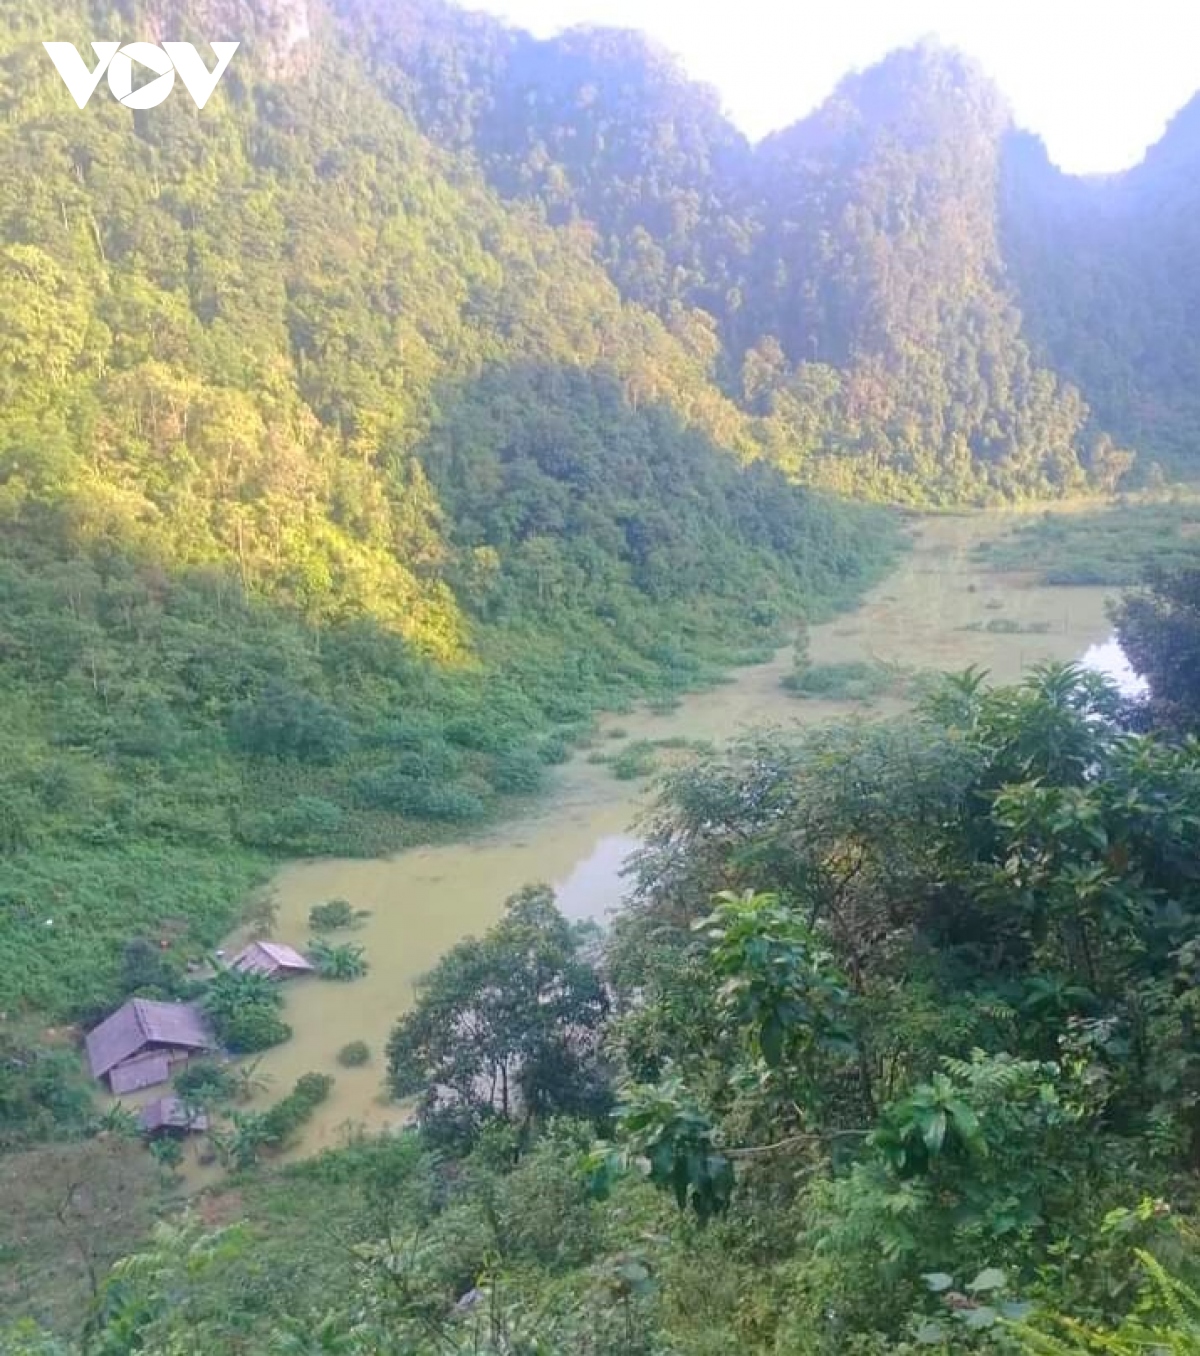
pixel 703 236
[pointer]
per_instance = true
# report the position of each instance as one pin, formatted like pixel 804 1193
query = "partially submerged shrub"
pixel 287 1116
pixel 335 915
pixel 638 760
pixel 338 960
pixel 205 1081
pixel 855 680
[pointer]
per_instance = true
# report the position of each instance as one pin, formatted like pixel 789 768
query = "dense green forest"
pixel 902 280
pixel 336 495
pixel 366 433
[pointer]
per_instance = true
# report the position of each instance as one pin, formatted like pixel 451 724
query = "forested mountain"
pixel 923 301
pixel 878 272
pixel 595 125
pixel 1109 273
pixel 850 266
pixel 335 491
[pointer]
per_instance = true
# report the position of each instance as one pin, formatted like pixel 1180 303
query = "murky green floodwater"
pixel 424 900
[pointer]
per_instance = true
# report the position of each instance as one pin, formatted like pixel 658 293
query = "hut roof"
pixel 142 1071
pixel 170 1113
pixel 142 1022
pixel 268 958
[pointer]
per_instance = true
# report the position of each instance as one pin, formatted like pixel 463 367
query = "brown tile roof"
pixel 142 1022
pixel 170 1113
pixel 268 958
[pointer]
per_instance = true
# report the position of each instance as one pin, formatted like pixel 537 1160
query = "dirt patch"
pixel 218 1208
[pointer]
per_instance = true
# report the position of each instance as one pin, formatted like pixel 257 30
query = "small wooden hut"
pixel 273 959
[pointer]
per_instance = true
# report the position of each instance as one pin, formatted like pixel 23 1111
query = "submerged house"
pixel 171 1116
pixel 272 959
pixel 143 1040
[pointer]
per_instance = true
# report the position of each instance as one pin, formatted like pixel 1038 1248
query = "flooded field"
pixel 939 610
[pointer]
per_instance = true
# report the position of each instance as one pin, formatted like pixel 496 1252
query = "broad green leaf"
pixel 771 1040
pixel 983 1317
pixel 990 1278
pixel 934 1132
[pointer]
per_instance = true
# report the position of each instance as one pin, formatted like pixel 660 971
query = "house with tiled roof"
pixel 139 1045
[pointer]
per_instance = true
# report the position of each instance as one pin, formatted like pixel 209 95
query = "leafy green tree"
pixel 167 1152
pixel 661 1131
pixel 206 1082
pixel 284 723
pixel 1159 630
pixel 42 1092
pixel 506 1026
pixel 244 1008
pixel 147 971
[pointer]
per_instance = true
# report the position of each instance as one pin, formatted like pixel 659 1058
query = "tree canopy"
pixel 505 1027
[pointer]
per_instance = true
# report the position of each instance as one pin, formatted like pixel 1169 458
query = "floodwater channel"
pixel 932 613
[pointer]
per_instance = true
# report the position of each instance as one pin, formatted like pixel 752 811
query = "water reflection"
pixel 1108 658
pixel 595 886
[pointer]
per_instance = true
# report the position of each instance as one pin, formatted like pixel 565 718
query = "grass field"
pixel 1110 547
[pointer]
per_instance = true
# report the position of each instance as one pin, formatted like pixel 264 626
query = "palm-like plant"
pixel 338 960
pixel 239 1144
pixel 250 1080
pixel 1167 1324
pixel 119 1120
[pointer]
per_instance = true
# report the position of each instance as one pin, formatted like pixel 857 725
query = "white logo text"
pixel 166 60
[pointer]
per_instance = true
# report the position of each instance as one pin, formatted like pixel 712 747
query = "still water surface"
pixel 576 838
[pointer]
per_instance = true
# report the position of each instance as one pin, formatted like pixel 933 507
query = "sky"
pixel 1098 80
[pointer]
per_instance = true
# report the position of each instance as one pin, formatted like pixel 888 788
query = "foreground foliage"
pixel 504 1028
pixel 1159 629
pixel 900 1033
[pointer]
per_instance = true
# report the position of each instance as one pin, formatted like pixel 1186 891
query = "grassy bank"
pixel 1112 546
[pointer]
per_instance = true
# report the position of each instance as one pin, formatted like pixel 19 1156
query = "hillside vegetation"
pixel 361 437
pixel 884 281
pixel 335 495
